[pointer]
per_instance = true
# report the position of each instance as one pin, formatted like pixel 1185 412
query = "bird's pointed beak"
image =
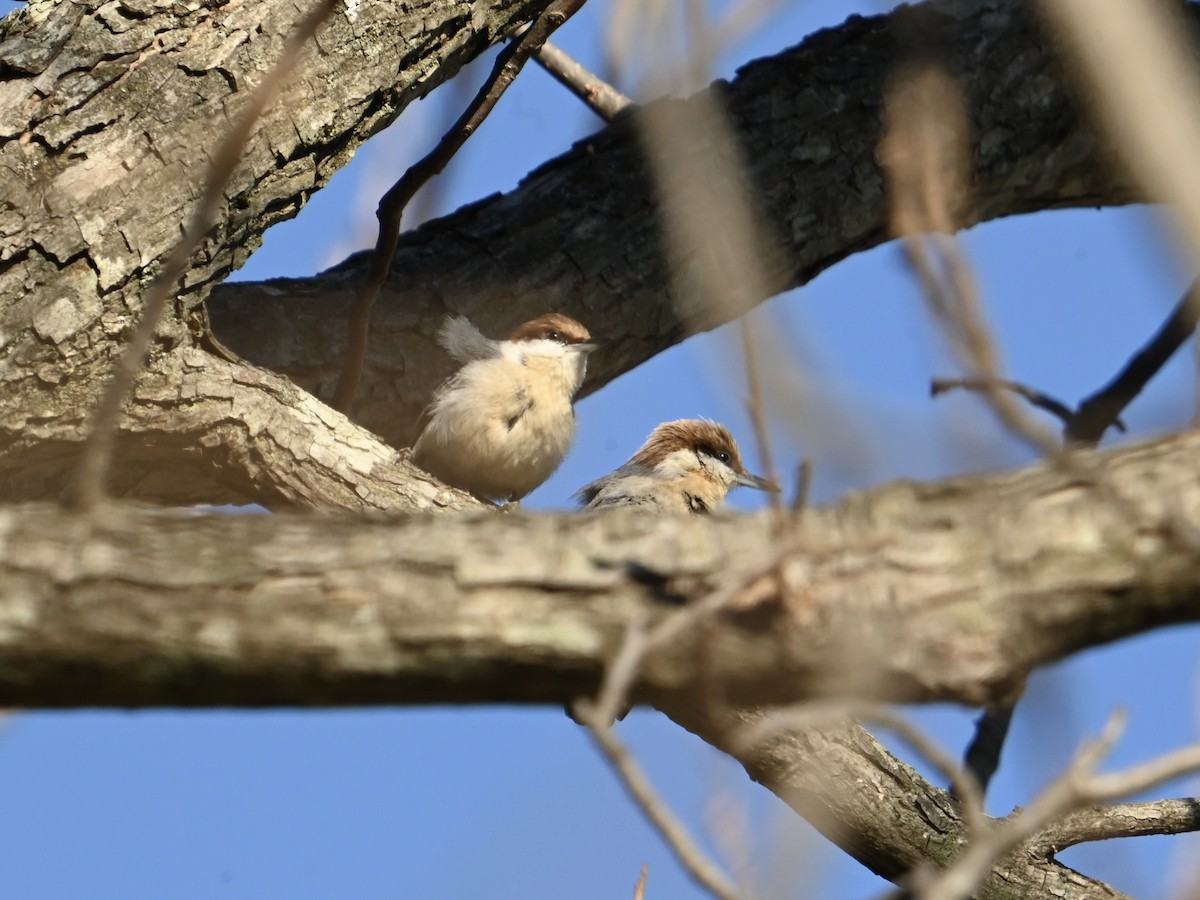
pixel 757 482
pixel 584 348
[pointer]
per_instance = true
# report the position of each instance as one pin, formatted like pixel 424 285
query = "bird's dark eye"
pixel 554 336
pixel 722 455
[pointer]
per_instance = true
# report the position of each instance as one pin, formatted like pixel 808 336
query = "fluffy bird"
pixel 501 424
pixel 687 466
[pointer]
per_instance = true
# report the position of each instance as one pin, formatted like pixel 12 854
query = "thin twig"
pixel 509 63
pixel 955 300
pixel 1039 399
pixel 963 784
pixel 91 476
pixel 1120 820
pixel 619 680
pixel 758 417
pixel 639 889
pixel 804 473
pixel 638 785
pixel 1077 788
pixel 619 675
pixel 925 154
pixel 601 97
pixel 1085 426
pixel 1128 52
pixel 1102 409
pixel 925 157
pixel 960 879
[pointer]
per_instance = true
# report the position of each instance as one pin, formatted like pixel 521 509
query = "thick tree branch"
pixel 92 475
pixel 237 434
pixel 507 66
pixel 582 233
pixel 872 805
pixel 952 591
pixel 106 123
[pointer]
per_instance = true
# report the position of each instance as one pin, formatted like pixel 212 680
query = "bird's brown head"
pixel 704 438
pixel 552 327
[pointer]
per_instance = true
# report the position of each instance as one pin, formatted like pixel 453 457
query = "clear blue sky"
pixel 500 803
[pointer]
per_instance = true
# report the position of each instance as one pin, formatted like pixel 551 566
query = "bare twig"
pixel 804 473
pixel 982 758
pixel 89 486
pixel 689 854
pixel 601 97
pixel 509 63
pixel 925 154
pixel 1121 820
pixel 1102 409
pixel 619 675
pixel 1039 399
pixel 619 679
pixel 1076 789
pixel 1085 426
pixel 639 889
pixel 758 416
pixel 955 301
pixel 968 870
pixel 962 782
pixel 1141 73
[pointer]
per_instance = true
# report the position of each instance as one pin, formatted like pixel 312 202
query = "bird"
pixel 686 467
pixel 500 425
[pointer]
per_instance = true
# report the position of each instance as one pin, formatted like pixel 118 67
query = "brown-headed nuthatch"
pixel 687 466
pixel 500 425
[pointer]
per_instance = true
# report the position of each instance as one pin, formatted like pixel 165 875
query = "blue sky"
pixel 498 803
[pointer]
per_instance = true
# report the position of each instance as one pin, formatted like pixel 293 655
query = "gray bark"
pixel 107 113
pixel 582 233
pixel 950 591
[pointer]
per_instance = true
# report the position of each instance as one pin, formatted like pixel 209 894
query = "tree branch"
pixel 508 65
pixel 91 478
pixel 639 787
pixel 95 184
pixel 1121 820
pixel 584 228
pixel 952 591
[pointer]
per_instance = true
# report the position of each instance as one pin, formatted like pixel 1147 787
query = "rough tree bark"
pixel 107 112
pixel 954 591
pixel 580 234
pixel 950 591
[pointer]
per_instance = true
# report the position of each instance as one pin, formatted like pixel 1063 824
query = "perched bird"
pixel 500 425
pixel 687 466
